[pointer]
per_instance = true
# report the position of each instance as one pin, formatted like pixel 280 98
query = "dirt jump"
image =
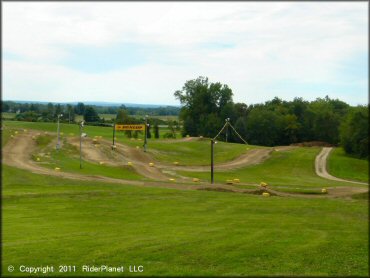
pixel 18 151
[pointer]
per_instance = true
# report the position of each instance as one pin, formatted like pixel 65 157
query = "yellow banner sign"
pixel 130 127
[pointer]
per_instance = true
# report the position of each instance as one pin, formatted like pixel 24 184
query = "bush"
pixel 169 135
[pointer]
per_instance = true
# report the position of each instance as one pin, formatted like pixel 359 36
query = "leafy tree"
pixel 71 113
pixel 91 115
pixel 354 132
pixel 263 127
pixel 204 106
pixel 80 108
pixel 122 116
pixel 156 130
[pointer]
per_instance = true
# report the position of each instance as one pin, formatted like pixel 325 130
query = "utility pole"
pixel 212 154
pixel 81 127
pixel 58 142
pixel 146 127
pixel 114 136
pixel 227 127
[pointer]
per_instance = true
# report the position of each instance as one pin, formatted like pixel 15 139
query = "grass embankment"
pixel 197 152
pixel 344 166
pixel 53 221
pixel 67 159
pixel 293 169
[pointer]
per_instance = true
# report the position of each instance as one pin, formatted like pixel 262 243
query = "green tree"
pixel 91 115
pixel 263 127
pixel 354 132
pixel 71 113
pixel 80 108
pixel 156 130
pixel 122 116
pixel 204 106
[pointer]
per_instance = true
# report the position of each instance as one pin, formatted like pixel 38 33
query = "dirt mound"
pixel 313 144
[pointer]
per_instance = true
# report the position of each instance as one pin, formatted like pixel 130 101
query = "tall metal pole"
pixel 227 127
pixel 114 135
pixel 212 143
pixel 81 126
pixel 146 126
pixel 58 142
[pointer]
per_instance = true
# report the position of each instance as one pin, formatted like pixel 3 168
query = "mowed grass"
pixel 53 221
pixel 294 168
pixel 193 153
pixel 196 152
pixel 344 166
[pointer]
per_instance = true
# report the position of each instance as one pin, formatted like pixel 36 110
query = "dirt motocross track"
pixel 17 152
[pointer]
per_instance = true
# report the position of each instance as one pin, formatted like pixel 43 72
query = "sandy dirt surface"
pixel 321 169
pixel 249 158
pixel 101 152
pixel 18 151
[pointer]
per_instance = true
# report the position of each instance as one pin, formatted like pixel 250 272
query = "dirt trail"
pixel 320 167
pixel 101 152
pixel 17 152
pixel 138 157
pixel 251 157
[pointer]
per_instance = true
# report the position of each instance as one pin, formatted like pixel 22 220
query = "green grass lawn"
pixel 193 152
pixel 54 221
pixel 294 168
pixel 344 166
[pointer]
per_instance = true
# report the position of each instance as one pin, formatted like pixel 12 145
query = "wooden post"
pixel 114 135
pixel 212 143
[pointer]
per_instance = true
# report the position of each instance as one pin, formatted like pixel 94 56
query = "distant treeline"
pixel 205 106
pixel 39 112
pixel 48 112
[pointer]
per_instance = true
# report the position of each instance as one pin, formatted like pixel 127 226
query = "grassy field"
pixel 73 129
pixel 294 169
pixel 52 221
pixel 344 166
pixel 197 152
pixel 7 115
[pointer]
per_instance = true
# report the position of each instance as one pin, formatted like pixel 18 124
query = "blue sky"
pixel 143 52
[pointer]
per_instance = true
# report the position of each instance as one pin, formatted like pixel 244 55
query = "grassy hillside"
pixel 344 166
pixel 52 221
pixel 294 169
pixel 197 152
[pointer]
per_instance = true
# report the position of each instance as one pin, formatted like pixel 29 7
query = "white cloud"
pixel 268 43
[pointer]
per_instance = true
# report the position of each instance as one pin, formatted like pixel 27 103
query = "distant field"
pixel 78 118
pixel 53 221
pixel 344 166
pixel 6 115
